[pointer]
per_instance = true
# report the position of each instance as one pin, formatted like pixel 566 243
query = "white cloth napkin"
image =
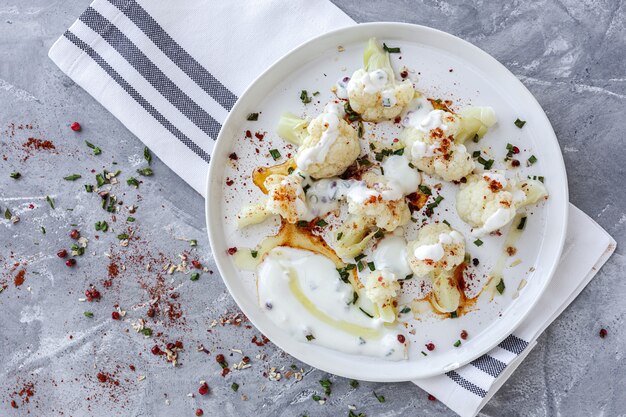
pixel 171 72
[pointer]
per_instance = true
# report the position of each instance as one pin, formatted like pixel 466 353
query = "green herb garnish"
pixel 96 150
pixel 366 313
pixel 7 214
pixel 310 337
pixel 50 201
pixel 193 242
pixel 532 159
pixel 88 314
pixel 130 219
pixel 89 188
pixel 478 242
pixel 234 386
pixel 392 50
pixel 195 276
pixel 453 315
pixel 72 177
pixel 102 226
pixel 457 343
pixel 360 129
pixel 380 398
pixel 354 383
pixel 147 331
pixel 122 236
pixel 253 117
pixel 424 189
pixel 371 266
pixel 522 223
pixel 325 383
pixel 15 175
pixel 133 182
pixel 316 397
pixel 500 287
pixel 405 309
pixel 302 223
pixel 485 163
pixel 275 154
pixel 339 235
pixel 147 155
pixel 321 223
pixel 146 172
pixel 519 123
pixel 304 96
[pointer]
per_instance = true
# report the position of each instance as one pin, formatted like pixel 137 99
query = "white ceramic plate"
pixel 446 67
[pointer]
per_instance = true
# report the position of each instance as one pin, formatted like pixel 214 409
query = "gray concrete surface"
pixel 570 53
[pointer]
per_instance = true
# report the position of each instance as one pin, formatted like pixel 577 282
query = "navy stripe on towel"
pixel 489 365
pixel 151 72
pixel 205 80
pixel 513 344
pixel 474 389
pixel 136 96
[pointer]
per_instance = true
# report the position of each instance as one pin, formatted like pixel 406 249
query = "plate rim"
pixel 220 258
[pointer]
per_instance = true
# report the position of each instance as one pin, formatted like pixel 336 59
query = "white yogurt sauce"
pixel 418 111
pixel 421 149
pixel 317 153
pixel 391 255
pixel 398 171
pixel 301 292
pixel 432 121
pixel 342 88
pixel 435 251
pixel 498 219
pixel 496 176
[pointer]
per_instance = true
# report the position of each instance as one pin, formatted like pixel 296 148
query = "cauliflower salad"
pixel 360 228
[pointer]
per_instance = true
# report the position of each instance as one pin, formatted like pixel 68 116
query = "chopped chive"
pixel 519 123
pixel 304 96
pixel 146 172
pixel 339 235
pixel 500 287
pixel 392 50
pixel 147 331
pixel 325 383
pixel 89 188
pixel 72 177
pixel 122 236
pixel 7 214
pixel 355 297
pixel 195 276
pixel 408 277
pixel 321 223
pixel 102 226
pixel 485 163
pixel 478 242
pixel 522 223
pixel 147 155
pixel 50 201
pixel 302 223
pixel 133 182
pixel 354 383
pixel 360 266
pixel 371 266
pixel 43 230
pixel 380 398
pixel 290 170
pixel 359 257
pixel 360 129
pixel 453 315
pixel 476 138
pixel 446 223
pixel 379 234
pixel 15 175
pixel 88 314
pixel 475 154
pixel 399 151
pixel 234 386
pixel 366 313
pixel 193 242
pixel 275 154
pixel 310 337
pixel 316 397
pixel 405 309
pixel 532 159
pixel 253 117
pixel 349 267
pixel 457 343
pixel 130 219
pixel 424 353
pixel 100 180
pixel 254 253
pixel 424 189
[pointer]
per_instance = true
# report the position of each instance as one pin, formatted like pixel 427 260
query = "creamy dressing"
pixel 317 153
pixel 302 293
pixel 435 251
pixel 418 111
pixel 496 176
pixel 398 171
pixel 341 90
pixel 432 121
pixel 391 255
pixel 500 218
pixel 421 149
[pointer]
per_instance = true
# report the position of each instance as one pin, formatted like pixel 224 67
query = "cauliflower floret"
pixel 380 200
pixel 373 91
pixel 330 147
pixel 437 247
pixel 489 201
pixel 286 197
pixel 352 236
pixel 382 287
pixel 432 147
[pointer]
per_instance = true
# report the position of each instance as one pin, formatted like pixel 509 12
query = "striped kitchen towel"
pixel 170 74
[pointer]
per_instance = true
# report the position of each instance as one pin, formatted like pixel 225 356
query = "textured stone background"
pixel 570 53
